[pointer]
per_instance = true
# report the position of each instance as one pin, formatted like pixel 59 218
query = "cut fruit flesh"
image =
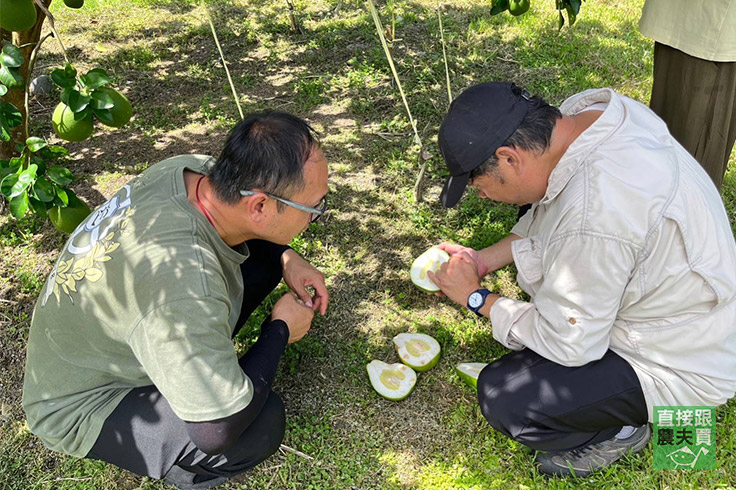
pixel 391 381
pixel 418 351
pixel 469 372
pixel 431 260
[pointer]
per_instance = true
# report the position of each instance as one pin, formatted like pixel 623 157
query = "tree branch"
pixel 42 7
pixel 31 64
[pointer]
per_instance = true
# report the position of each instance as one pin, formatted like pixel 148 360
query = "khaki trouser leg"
pixel 697 100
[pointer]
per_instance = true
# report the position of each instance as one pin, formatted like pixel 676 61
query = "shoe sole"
pixel 566 471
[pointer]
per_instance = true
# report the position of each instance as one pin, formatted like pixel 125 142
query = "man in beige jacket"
pixel 628 258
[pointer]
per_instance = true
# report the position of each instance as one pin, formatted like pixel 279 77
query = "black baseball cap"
pixel 479 121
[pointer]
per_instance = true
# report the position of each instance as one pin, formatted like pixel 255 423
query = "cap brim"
pixel 454 189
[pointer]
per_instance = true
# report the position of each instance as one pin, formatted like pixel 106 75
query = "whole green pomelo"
pixel 74 4
pixel 17 15
pixel 122 111
pixel 518 7
pixel 67 128
pixel 67 219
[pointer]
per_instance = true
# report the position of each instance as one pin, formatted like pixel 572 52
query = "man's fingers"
pixel 432 276
pixel 446 246
pixel 320 292
pixel 303 296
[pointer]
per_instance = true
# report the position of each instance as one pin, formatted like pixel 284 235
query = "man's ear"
pixel 255 207
pixel 508 155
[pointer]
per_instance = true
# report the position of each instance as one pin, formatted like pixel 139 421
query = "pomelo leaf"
pixel 19 205
pixel 6 185
pixel 11 77
pixel 101 100
pixel 35 143
pixel 95 78
pixel 44 190
pixel 104 115
pixel 25 179
pixel 78 102
pixel 11 56
pixel 38 207
pixel 62 197
pixel 60 175
pixel 64 78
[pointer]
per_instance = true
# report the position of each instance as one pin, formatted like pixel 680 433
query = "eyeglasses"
pixel 316 212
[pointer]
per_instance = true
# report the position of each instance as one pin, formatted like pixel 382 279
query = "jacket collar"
pixel 589 140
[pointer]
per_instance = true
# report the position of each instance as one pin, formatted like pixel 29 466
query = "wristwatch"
pixel 477 299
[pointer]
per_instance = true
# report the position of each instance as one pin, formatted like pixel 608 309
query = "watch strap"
pixel 484 295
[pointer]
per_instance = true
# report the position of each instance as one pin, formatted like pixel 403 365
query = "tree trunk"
pixel 17 97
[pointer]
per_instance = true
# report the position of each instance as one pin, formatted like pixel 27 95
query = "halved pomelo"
pixel 469 372
pixel 417 350
pixel 391 381
pixel 431 260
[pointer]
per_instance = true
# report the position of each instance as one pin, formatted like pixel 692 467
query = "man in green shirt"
pixel 130 358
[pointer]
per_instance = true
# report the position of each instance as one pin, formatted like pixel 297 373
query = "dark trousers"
pixel 143 435
pixel 697 100
pixel 550 407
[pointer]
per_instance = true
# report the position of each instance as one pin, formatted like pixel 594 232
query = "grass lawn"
pixel 162 55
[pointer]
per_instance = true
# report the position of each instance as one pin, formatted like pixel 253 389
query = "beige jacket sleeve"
pixel 581 279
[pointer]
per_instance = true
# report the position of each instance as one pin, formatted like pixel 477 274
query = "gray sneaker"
pixel 585 460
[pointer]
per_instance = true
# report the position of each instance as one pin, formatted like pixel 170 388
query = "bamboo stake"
pixel 423 155
pixel 379 29
pixel 444 54
pixel 222 57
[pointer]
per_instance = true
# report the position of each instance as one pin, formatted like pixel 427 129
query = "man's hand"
pixel 458 277
pixel 300 274
pixel 454 249
pixel 297 316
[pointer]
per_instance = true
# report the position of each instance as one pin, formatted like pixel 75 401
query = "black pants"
pixel 143 435
pixel 550 407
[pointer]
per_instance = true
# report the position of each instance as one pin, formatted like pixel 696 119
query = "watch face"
pixel 475 300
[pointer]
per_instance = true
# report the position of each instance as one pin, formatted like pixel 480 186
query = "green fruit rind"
pixel 122 111
pixel 431 260
pixel 518 7
pixel 67 128
pixel 469 372
pixel 67 219
pixel 418 351
pixel 17 15
pixel 392 381
pixel 74 4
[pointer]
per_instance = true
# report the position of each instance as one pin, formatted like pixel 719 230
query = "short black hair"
pixel 265 151
pixel 533 134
